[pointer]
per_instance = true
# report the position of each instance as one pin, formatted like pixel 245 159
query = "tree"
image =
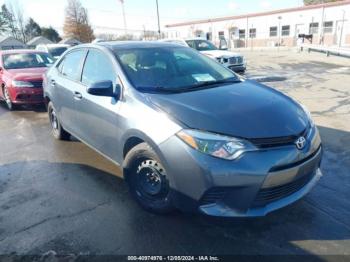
pixel 3 23
pixel 315 2
pixel 32 29
pixel 50 34
pixel 9 20
pixel 76 22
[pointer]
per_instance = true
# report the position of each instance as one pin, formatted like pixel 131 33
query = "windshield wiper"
pixel 200 85
pixel 211 84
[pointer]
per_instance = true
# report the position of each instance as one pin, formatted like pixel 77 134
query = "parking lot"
pixel 64 197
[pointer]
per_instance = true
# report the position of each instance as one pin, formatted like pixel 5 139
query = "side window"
pixel 98 67
pixel 191 44
pixel 69 67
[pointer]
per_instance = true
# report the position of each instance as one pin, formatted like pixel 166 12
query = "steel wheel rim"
pixel 7 97
pixel 151 180
pixel 53 119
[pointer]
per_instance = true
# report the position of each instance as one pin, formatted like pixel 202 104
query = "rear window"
pixel 26 60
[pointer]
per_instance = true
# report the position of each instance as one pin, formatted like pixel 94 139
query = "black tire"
pixel 57 130
pixel 7 98
pixel 147 179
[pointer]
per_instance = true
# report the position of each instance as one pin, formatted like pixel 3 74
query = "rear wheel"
pixel 8 100
pixel 57 129
pixel 148 180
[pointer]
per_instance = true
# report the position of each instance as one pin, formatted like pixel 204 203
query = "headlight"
pixel 215 145
pixel 16 83
pixel 308 114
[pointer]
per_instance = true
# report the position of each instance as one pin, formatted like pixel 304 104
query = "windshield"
pixel 201 45
pixel 171 69
pixel 57 51
pixel 27 60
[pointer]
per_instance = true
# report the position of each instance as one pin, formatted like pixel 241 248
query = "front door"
pixel 97 115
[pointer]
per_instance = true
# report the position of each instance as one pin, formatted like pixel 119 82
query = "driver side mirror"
pixel 104 88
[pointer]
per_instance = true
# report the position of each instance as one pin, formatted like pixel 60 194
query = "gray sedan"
pixel 188 132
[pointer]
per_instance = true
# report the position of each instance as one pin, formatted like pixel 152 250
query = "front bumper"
pixel 253 185
pixel 237 68
pixel 27 96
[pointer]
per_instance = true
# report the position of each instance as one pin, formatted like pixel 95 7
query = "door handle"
pixel 78 95
pixel 53 83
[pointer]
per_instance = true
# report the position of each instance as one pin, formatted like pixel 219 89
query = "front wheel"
pixel 8 100
pixel 148 180
pixel 57 130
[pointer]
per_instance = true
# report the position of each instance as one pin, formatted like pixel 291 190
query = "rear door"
pixel 63 85
pixel 96 116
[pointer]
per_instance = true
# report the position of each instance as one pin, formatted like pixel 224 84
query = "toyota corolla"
pixel 188 132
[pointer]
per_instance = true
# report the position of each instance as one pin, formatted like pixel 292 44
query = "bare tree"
pixel 9 21
pixel 76 22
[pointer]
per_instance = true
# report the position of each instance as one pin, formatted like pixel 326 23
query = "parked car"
pixel 21 76
pixel 231 60
pixel 55 50
pixel 188 132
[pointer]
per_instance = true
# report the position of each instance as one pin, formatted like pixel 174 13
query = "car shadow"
pixel 34 108
pixel 75 208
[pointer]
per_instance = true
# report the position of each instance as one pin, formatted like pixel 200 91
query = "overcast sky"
pixel 142 13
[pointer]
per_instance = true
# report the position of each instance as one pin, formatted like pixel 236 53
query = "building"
pixel 9 42
pixel 324 24
pixel 39 40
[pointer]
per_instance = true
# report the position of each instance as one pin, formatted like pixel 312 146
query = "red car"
pixel 21 76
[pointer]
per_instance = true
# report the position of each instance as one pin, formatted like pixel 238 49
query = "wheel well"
pixel 130 143
pixel 46 101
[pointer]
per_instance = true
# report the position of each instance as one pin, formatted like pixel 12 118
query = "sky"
pixel 141 14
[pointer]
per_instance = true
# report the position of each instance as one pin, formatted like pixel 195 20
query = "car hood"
pixel 247 110
pixel 27 73
pixel 220 53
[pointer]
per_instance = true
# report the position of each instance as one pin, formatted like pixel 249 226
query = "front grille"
pixel 214 195
pixel 278 141
pixel 236 60
pixel 268 195
pixel 24 97
pixel 37 84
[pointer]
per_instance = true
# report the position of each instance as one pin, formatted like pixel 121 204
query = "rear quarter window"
pixel 70 66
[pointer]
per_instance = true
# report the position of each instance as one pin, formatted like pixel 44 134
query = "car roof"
pixel 55 45
pixel 135 44
pixel 20 51
pixel 196 38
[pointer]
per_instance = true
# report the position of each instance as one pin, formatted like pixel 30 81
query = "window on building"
pixel 241 33
pixel 252 32
pixel 328 27
pixel 209 36
pixel 285 30
pixel 313 28
pixel 273 31
pixel 221 35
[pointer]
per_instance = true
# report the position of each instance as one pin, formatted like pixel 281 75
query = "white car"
pixel 231 60
pixel 55 50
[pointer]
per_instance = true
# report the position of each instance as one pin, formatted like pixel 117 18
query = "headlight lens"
pixel 21 84
pixel 215 145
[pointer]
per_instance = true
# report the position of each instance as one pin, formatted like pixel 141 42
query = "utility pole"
pixel 123 9
pixel 342 28
pixel 280 32
pixel 158 18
